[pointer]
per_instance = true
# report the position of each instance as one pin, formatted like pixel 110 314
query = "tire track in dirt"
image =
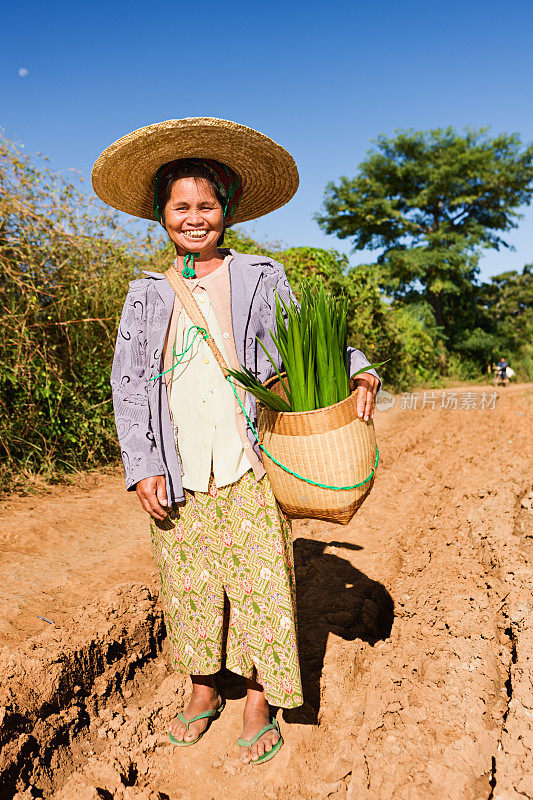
pixel 415 645
pixel 430 702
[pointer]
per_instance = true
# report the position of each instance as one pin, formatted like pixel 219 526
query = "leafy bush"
pixel 422 357
pixel 64 268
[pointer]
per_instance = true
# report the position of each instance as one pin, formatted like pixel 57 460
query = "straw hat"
pixel 124 174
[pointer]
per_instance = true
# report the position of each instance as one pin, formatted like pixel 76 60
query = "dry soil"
pixel 414 623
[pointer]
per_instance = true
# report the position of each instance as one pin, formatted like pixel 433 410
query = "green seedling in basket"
pixel 312 342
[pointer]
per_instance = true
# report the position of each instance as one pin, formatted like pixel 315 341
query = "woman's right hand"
pixel 152 493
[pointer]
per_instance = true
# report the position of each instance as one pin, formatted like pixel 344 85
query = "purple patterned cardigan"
pixel 142 413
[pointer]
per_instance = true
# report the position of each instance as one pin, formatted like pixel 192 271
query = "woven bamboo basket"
pixel 332 446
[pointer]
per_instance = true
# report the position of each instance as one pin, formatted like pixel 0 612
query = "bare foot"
pixel 256 716
pixel 203 698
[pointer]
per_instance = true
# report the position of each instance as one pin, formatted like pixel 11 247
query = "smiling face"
pixel 194 218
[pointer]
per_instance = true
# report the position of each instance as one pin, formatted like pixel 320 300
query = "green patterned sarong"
pixel 236 540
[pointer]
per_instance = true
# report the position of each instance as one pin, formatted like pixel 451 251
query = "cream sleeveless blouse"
pixel 202 403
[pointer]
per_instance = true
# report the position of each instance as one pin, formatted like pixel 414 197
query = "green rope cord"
pixel 188 265
pixel 157 212
pixel 295 474
pixel 199 330
pixel 203 333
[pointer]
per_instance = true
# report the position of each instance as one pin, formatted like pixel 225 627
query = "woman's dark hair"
pixel 188 168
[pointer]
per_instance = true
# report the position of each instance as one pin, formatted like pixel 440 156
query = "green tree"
pixel 507 303
pixel 430 201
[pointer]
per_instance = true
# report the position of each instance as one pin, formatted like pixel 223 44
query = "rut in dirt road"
pixel 415 645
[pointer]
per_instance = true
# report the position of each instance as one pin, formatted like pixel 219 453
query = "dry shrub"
pixel 65 262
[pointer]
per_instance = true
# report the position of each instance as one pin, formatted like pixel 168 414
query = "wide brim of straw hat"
pixel 124 174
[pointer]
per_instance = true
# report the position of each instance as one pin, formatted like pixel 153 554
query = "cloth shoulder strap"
pixel 190 305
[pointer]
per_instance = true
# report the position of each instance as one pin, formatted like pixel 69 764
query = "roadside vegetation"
pixel 65 263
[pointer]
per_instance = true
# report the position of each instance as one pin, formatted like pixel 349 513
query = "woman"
pixel 187 449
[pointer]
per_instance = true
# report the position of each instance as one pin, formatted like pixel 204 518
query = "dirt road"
pixel 415 633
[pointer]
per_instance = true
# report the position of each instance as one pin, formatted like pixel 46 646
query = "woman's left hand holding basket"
pixel 366 385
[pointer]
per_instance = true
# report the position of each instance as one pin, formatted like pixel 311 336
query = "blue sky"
pixel 322 79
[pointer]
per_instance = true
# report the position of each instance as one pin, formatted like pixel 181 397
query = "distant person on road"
pixel 502 366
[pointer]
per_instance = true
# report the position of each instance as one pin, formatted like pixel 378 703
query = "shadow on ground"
pixel 332 597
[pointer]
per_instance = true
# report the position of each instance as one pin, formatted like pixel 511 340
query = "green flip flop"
pixel 268 754
pixel 214 713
